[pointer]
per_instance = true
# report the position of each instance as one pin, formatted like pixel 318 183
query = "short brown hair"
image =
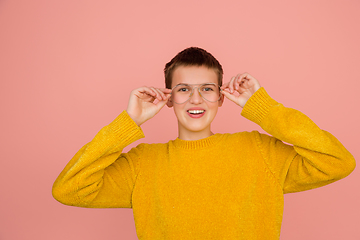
pixel 192 56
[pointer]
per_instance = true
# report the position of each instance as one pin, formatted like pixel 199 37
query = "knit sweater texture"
pixel 226 186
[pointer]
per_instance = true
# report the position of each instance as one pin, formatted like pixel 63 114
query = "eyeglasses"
pixel 182 92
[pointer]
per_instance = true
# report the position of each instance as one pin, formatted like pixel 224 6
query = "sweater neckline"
pixel 197 144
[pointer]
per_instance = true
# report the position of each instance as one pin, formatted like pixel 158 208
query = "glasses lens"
pixel 181 93
pixel 210 92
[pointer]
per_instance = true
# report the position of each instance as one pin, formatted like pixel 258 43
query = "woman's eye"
pixel 183 89
pixel 207 89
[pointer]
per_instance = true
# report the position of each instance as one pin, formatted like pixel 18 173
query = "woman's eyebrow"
pixel 196 84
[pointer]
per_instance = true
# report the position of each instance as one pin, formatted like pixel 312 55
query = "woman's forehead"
pixel 199 84
pixel 193 75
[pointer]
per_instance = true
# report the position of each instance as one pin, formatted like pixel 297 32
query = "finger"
pixel 231 84
pixel 144 89
pixel 140 92
pixel 229 96
pixel 160 104
pixel 161 93
pixel 247 77
pixel 157 93
pixel 246 80
pixel 250 81
pixel 244 75
pixel 225 85
pixel 237 81
pixel 241 82
pixel 165 96
pixel 166 92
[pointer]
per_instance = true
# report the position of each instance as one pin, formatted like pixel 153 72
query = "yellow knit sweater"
pixel 226 186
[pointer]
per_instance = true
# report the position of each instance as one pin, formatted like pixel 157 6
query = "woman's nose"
pixel 196 97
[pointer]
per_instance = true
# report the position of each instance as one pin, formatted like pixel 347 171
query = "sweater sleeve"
pixel 99 175
pixel 314 158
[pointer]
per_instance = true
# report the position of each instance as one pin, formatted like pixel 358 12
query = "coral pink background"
pixel 67 68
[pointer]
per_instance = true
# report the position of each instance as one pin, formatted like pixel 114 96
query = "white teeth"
pixel 196 111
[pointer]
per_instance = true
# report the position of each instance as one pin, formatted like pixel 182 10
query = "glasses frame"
pixel 198 88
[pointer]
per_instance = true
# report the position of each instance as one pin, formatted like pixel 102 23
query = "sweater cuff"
pixel 258 106
pixel 124 128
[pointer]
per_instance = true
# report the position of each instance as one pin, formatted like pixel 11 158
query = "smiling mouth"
pixel 195 112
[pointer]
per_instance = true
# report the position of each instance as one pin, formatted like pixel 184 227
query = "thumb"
pixel 229 96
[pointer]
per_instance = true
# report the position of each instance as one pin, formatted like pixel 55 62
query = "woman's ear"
pixel 169 103
pixel 221 100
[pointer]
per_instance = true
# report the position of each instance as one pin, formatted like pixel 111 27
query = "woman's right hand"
pixel 142 105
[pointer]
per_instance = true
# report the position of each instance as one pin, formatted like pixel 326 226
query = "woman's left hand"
pixel 240 88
